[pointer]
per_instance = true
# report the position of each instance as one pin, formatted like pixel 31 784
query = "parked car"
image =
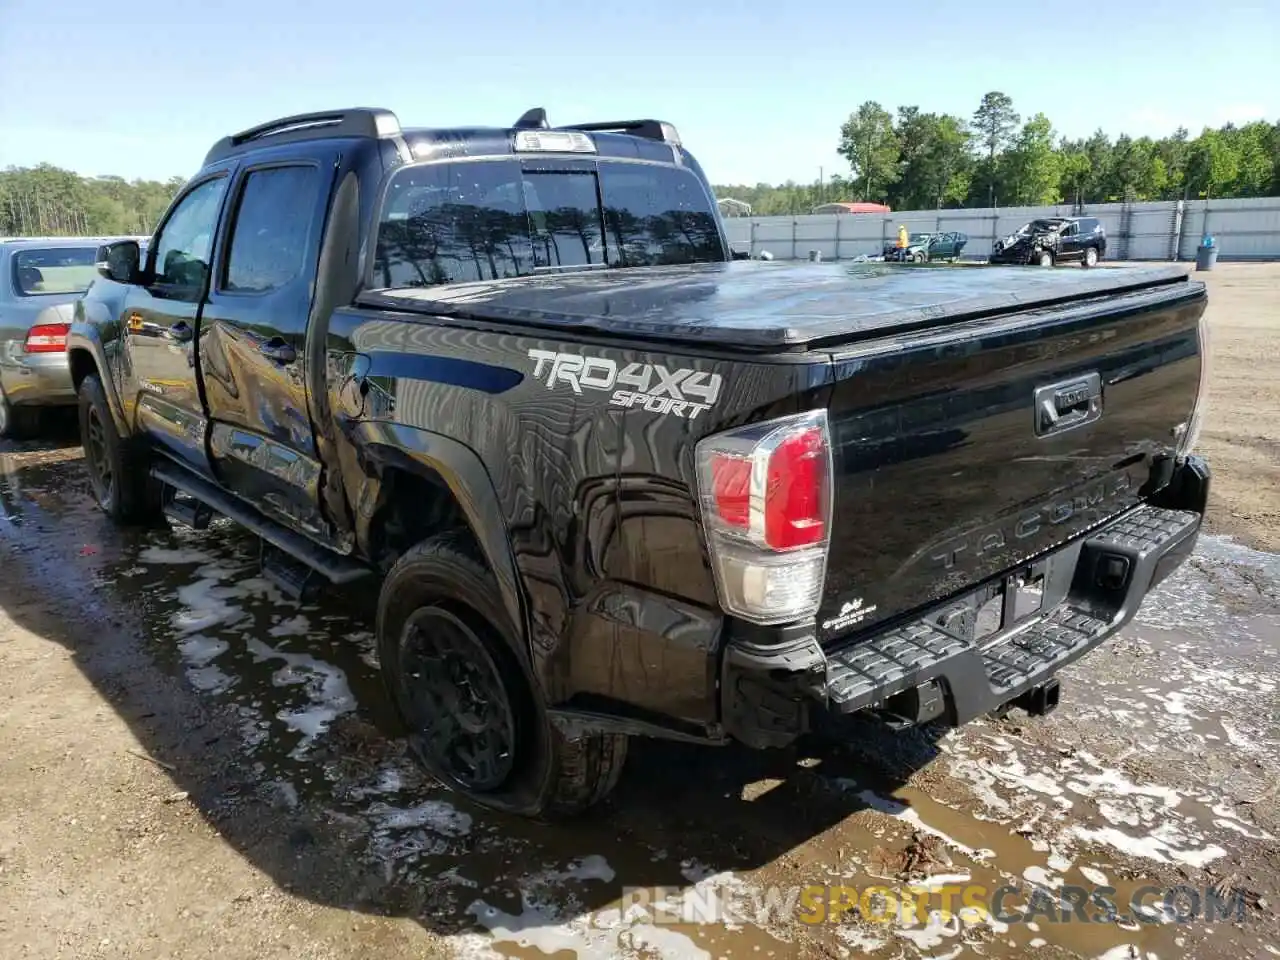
pixel 924 247
pixel 615 483
pixel 1054 240
pixel 40 278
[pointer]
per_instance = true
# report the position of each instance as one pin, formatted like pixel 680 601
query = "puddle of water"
pixel 1084 801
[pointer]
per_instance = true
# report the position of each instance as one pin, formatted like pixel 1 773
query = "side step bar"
pixel 334 567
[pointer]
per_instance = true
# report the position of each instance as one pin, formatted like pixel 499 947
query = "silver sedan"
pixel 40 280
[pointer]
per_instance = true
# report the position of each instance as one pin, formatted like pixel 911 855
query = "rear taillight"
pixel 766 506
pixel 47 338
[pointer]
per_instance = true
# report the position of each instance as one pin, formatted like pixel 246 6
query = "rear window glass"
pixel 489 220
pixel 64 270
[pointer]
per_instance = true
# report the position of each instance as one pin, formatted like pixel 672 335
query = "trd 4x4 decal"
pixel 683 392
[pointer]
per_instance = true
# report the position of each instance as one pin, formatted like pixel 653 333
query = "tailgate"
pixel 961 454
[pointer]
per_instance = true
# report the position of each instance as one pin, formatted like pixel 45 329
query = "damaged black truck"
pixel 613 482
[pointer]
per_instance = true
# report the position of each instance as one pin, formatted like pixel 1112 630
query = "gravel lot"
pixel 191 766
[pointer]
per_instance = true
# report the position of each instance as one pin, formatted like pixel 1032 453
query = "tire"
pixel 119 469
pixel 8 426
pixel 1044 258
pixel 17 423
pixel 440 621
pixel 917 257
pixel 1090 257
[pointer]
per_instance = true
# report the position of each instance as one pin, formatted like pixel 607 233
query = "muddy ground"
pixel 191 766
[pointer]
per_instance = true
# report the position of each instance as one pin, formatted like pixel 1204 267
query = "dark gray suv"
pixel 1053 240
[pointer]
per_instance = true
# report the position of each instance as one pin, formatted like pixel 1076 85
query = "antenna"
pixel 534 119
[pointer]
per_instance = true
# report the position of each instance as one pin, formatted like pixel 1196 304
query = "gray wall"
pixel 1244 229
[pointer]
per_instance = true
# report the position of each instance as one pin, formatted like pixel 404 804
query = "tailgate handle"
pixel 1068 404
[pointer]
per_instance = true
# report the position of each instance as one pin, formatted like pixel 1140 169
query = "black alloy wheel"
pixel 458 707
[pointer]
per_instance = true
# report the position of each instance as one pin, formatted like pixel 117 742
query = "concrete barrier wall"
pixel 1244 229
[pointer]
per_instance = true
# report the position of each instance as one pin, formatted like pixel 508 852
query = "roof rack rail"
pixel 649 129
pixel 370 123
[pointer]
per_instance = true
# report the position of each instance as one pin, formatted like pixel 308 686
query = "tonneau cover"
pixel 759 305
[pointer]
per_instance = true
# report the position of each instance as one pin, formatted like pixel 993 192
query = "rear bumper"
pixel 931 667
pixel 36 378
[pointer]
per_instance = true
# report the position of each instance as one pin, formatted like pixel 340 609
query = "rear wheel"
pixel 475 722
pixel 119 471
pixel 1090 257
pixel 1044 258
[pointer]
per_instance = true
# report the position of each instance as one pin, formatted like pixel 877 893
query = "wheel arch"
pixel 436 474
pixel 85 356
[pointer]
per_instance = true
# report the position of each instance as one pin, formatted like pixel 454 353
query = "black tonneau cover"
pixel 764 306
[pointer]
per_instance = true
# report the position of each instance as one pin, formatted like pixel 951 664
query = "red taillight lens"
pixel 766 509
pixel 47 338
pixel 731 488
pixel 796 494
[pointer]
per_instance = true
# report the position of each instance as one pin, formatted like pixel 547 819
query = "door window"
pixel 185 243
pixel 271 230
pixel 1070 230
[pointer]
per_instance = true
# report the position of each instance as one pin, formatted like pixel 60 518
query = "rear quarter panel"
pixel 596 493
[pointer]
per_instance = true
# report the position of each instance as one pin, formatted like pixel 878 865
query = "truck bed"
pixel 763 307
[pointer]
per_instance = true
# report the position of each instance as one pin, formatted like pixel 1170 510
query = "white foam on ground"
pixel 298 626
pixel 1122 952
pixel 605 935
pixel 909 815
pixel 857 939
pixel 209 679
pixel 1041 877
pixel 934 932
pixel 325 685
pixel 169 555
pixel 1094 876
pixel 439 816
pixel 198 651
pixel 1015 774
pixel 204 606
pixel 1113 783
pixel 1151 847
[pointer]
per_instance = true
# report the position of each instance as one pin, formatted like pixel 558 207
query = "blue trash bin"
pixel 1206 255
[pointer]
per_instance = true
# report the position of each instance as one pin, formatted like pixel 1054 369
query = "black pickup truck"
pixel 613 482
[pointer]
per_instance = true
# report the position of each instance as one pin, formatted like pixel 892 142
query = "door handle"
pixel 279 351
pixel 181 331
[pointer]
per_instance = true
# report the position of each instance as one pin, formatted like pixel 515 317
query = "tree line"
pixel 916 160
pixel 49 201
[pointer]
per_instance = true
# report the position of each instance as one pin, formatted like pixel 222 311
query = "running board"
pixel 334 567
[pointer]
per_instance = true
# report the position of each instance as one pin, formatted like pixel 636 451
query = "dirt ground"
pixel 1241 436
pixel 191 766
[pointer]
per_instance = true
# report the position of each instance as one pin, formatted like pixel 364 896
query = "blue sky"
pixel 142 88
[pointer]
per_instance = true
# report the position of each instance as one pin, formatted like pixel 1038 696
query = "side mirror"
pixel 741 254
pixel 120 261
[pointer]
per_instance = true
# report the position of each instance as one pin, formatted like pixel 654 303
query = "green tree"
pixel 868 142
pixel 1076 172
pixel 1253 146
pixel 48 201
pixel 1212 164
pixel 934 162
pixel 994 122
pixel 1031 169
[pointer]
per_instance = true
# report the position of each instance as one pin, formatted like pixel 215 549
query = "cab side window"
pixel 185 243
pixel 271 230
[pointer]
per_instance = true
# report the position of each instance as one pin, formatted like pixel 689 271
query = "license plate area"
pixel 997 607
